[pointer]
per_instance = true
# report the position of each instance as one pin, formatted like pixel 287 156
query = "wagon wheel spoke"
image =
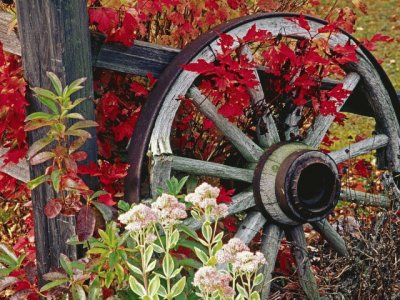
pixel 331 236
pixel 306 277
pixel 240 202
pixel 250 226
pixel 322 123
pixel 240 140
pixel 205 168
pixel 272 236
pixel 271 135
pixel 291 123
pixel 360 148
pixel 362 198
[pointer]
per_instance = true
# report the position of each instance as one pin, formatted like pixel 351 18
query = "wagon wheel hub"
pixel 293 184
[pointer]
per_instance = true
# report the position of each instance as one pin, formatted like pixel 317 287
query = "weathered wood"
pixel 54 37
pixel 267 182
pixel 240 140
pixel 359 148
pixel 160 173
pixel 140 59
pixel 271 136
pixel 292 121
pixel 272 236
pixel 306 277
pixel 331 236
pixel 365 198
pixel 19 171
pixel 385 115
pixel 240 202
pixel 317 131
pixel 250 226
pixel 205 168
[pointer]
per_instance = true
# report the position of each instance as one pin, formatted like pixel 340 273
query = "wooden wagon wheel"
pixel 292 183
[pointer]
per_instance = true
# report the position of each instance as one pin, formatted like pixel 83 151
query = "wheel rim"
pixel 176 82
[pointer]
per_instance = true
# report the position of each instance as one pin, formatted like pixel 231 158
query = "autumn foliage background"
pixel 119 98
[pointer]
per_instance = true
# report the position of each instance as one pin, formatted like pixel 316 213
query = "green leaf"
pixel 123 205
pixel 6 252
pixel 154 285
pixel 134 269
pixel 109 278
pixel 83 124
pixel 242 291
pixel 41 157
pixel 176 272
pixel 75 116
pixel 37 146
pixel 53 284
pixel 66 264
pixel 78 293
pixel 105 210
pixel 74 87
pixel 119 271
pixel 162 291
pixel 113 259
pixel 79 132
pixel 174 238
pixel 255 296
pixel 55 81
pixel 148 253
pixel 206 230
pixel 55 179
pixel 178 287
pixel 37 181
pixel 189 262
pixel 45 93
pixel 136 287
pixel 181 184
pixel 76 103
pixel 39 115
pixel 189 231
pixel 151 266
pixel 258 279
pixel 168 265
pixel 201 255
pixel 50 103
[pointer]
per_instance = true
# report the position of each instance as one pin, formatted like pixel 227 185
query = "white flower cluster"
pixel 169 210
pixel 138 217
pixel 205 198
pixel 209 280
pixel 238 254
pixel 166 210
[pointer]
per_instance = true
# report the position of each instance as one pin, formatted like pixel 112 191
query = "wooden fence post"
pixel 54 37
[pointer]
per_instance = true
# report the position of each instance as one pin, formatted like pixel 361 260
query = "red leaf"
pixel 105 18
pixel 85 223
pixel 254 35
pixel 225 195
pixel 79 156
pixel 107 200
pixel 126 33
pixel 53 208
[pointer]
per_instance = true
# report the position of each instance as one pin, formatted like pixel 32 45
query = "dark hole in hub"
pixel 315 186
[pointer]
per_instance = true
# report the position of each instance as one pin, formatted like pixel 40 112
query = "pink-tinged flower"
pixel 219 211
pixel 206 190
pixel 138 217
pixel 210 280
pixel 169 210
pixel 150 238
pixel 248 262
pixel 228 252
